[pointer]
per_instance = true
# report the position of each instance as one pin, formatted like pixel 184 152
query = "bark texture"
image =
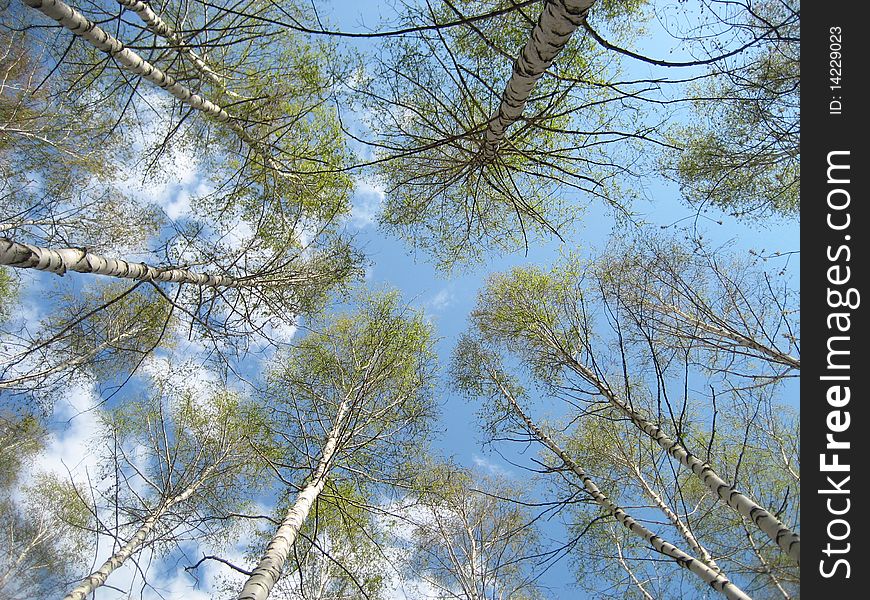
pixel 25 256
pixel 86 29
pixel 160 27
pixel 98 577
pixel 558 21
pixel 710 576
pixel 785 538
pixel 259 585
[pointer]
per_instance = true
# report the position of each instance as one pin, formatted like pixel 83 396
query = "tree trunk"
pixel 25 256
pixel 162 28
pixel 786 539
pixel 713 578
pixel 558 21
pixel 98 577
pixel 733 336
pixel 627 568
pixel 259 585
pixel 81 26
pixel 674 518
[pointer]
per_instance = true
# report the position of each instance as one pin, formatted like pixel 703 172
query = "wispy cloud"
pixel 367 200
pixel 441 300
pixel 484 464
pixel 71 449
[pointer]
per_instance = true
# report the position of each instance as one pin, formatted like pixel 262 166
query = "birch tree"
pixel 259 244
pixel 548 323
pixel 337 554
pixel 628 462
pixel 740 149
pixel 277 185
pixel 285 90
pixel 356 399
pixel 55 187
pixel 501 131
pixel 59 261
pixel 476 154
pixel 177 462
pixel 337 557
pixel 554 28
pixel 738 314
pixel 165 30
pixel 247 293
pixel 472 542
pixel 102 333
pixel 41 539
pixel 283 187
pixel 478 372
pixel 275 177
pixel 40 518
pixel 120 325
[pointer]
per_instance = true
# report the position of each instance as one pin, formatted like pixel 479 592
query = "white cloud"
pixel 367 200
pixel 33 286
pixel 406 517
pixel 71 450
pixel 72 447
pixel 172 190
pixel 240 233
pixel 441 300
pixel 178 177
pixel 180 587
pixel 490 467
pixel 27 312
pixel 177 205
pixel 179 373
pixel 281 331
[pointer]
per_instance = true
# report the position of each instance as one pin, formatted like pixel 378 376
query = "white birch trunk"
pixel 734 336
pixel 97 37
pixel 160 27
pixel 627 568
pixel 25 256
pixel 558 21
pixel 259 585
pixel 98 577
pixel 785 538
pixel 710 576
pixel 684 531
